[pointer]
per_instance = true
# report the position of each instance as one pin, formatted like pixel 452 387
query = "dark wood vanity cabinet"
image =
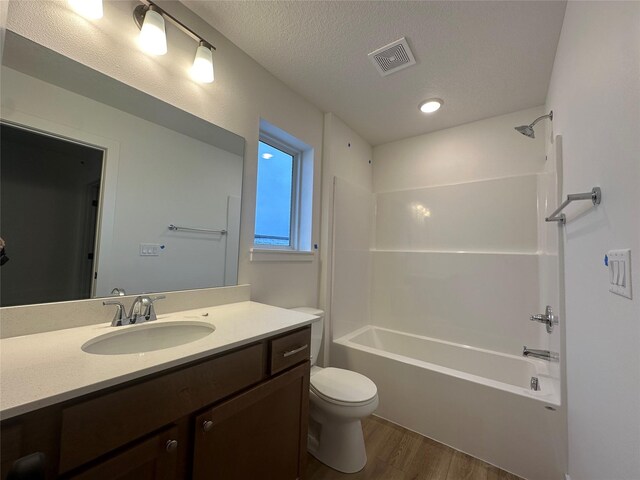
pixel 260 434
pixel 231 416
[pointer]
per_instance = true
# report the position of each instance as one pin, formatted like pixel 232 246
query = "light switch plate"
pixel 620 272
pixel 149 249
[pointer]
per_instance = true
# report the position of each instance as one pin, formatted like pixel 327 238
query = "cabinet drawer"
pixel 97 426
pixel 289 350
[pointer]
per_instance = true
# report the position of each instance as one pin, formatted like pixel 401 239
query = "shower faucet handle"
pixel 547 317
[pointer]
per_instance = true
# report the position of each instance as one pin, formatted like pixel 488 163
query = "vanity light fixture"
pixel 202 69
pixel 91 9
pixel 154 40
pixel 431 105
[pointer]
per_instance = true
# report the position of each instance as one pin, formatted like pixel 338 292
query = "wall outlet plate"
pixel 620 272
pixel 149 249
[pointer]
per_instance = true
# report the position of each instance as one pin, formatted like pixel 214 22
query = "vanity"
pixel 231 405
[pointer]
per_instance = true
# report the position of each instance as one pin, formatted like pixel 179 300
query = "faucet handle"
pixel 547 318
pixel 149 311
pixel 120 316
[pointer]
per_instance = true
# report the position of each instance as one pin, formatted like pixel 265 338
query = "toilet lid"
pixel 343 385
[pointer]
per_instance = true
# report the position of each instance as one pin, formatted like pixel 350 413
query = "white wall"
pixel 4 10
pixel 243 93
pixel 346 205
pixel 490 215
pixel 475 151
pixel 595 95
pixel 456 234
pixel 477 299
pixel 351 260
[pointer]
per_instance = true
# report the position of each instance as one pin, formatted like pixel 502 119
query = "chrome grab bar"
pixel 595 195
pixel 176 228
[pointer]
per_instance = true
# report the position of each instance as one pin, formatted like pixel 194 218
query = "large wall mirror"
pixel 103 186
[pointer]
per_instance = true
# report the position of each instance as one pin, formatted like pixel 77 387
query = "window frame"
pixel 296 191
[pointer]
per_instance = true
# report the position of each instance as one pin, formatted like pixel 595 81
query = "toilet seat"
pixel 343 387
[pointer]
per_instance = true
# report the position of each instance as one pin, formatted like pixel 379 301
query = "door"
pixel 43 210
pixel 260 434
pixel 90 227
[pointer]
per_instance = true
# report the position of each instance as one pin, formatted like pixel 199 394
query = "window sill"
pixel 278 255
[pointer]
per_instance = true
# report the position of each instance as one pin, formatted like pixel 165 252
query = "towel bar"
pixel 595 195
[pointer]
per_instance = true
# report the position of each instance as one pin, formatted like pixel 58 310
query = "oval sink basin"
pixel 148 337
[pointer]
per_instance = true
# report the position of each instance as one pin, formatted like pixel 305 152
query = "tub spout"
pixel 542 354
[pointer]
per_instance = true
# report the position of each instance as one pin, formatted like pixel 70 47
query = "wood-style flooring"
pixel 395 453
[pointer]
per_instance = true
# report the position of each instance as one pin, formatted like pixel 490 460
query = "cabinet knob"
pixel 207 425
pixel 171 446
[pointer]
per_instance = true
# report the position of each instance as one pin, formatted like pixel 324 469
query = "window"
pixel 276 195
pixel 284 192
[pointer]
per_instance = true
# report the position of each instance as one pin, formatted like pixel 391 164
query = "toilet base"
pixel 339 445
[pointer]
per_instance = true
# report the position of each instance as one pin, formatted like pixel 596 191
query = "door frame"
pixel 108 180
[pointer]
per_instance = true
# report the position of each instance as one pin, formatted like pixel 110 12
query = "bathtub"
pixel 477 401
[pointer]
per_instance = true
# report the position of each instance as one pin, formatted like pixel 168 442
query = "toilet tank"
pixel 317 329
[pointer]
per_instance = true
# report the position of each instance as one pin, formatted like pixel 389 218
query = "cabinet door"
pixel 260 434
pixel 155 458
pixel 24 437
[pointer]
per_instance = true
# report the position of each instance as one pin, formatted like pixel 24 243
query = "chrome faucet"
pixel 120 317
pixel 542 354
pixel 141 310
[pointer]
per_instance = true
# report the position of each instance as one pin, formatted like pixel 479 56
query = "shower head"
pixel 527 130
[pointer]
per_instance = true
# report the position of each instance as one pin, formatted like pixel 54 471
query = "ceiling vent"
pixel 393 57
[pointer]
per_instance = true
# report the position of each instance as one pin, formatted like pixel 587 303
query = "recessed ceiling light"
pixel 267 156
pixel 431 105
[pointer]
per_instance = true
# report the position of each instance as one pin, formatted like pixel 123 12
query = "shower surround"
pixel 444 260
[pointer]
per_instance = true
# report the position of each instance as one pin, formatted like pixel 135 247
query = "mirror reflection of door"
pixel 49 209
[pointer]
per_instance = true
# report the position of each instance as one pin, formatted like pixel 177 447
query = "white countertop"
pixel 47 368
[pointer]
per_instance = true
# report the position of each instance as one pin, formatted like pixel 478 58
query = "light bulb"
pixel 202 69
pixel 152 38
pixel 91 9
pixel 431 105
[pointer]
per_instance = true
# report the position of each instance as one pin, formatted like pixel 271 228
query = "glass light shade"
pixel 91 9
pixel 431 105
pixel 202 69
pixel 152 38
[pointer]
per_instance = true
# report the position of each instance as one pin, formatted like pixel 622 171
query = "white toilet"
pixel 338 400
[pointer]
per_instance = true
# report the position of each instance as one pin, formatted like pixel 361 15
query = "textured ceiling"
pixel 482 58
